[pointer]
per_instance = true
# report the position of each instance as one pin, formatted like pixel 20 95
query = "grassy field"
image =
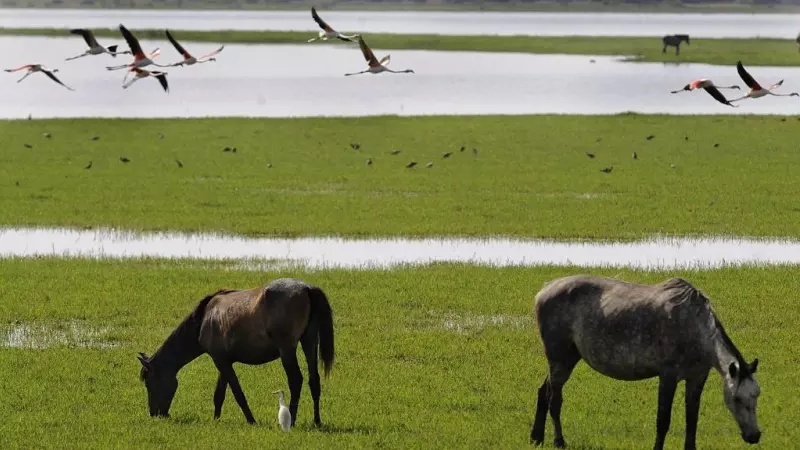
pixel 771 52
pixel 530 177
pixel 444 354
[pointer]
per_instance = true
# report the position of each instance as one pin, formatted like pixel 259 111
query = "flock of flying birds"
pixel 756 90
pixel 142 59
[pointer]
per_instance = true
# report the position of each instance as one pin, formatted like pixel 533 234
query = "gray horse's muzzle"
pixel 752 438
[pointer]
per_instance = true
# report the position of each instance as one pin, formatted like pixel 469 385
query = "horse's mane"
pixel 190 324
pixel 744 369
pixel 683 291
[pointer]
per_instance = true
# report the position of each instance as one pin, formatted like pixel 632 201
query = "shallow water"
pixel 38 336
pixel 449 23
pixel 323 252
pixel 307 80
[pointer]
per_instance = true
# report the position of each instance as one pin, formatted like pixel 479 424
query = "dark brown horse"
pixel 253 327
pixel 630 332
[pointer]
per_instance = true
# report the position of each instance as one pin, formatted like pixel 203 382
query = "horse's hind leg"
pixel 667 385
pixel 562 359
pixel 537 431
pixel 310 342
pixel 226 371
pixel 678 49
pixel 294 377
pixel 219 395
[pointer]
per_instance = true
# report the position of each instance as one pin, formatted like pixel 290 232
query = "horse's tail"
pixel 321 308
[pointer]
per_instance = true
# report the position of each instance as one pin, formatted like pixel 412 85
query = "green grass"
pixel 531 176
pixel 402 378
pixel 772 52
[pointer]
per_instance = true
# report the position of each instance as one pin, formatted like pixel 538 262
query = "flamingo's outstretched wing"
pixel 133 43
pixel 215 52
pixel 88 36
pixel 748 80
pixel 53 77
pixel 714 92
pixel 386 60
pixel 162 78
pixel 368 55
pixel 26 66
pixel 776 85
pixel 177 46
pixel 319 21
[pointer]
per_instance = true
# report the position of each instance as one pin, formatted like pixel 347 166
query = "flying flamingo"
pixel 189 59
pixel 139 58
pixel 708 85
pixel 141 73
pixel 375 66
pixel 328 32
pixel 756 91
pixel 33 68
pixel 94 47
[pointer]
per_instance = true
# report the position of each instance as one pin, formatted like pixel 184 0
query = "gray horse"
pixel 633 332
pixel 674 40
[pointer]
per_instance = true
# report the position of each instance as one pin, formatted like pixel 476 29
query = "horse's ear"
pixel 733 369
pixel 754 366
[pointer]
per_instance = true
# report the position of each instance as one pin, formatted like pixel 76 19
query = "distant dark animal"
pixel 463 148
pixel 607 169
pixel 631 332
pixel 88 166
pixel 124 159
pixel 635 156
pixel 396 152
pixel 253 327
pixel 590 155
pixel 429 165
pixel 47 135
pixel 797 41
pixel 28 145
pixel 446 154
pixel 369 162
pixel 96 138
pixel 650 138
pixel 355 145
pixel 674 40
pixel 474 151
pixel 411 164
pixel 180 164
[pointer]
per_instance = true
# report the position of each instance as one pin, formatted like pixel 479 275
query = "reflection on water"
pixel 411 22
pixel 322 252
pixel 71 334
pixel 307 80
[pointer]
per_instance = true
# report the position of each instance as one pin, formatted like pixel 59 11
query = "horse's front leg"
pixel 664 50
pixel 677 49
pixel 694 390
pixel 666 394
pixel 219 395
pixel 294 377
pixel 226 371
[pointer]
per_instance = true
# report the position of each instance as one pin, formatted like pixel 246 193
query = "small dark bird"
pixel 474 151
pixel 429 165
pixel 396 152
pixel 590 155
pixel 226 149
pixel 607 169
pixel 783 119
pixel 269 165
pixel 463 148
pixel 233 150
pixel 47 135
pixel 355 146
pixel 88 166
pixel 686 138
pixel 650 138
pixel 672 166
pixel 369 162
pixel 411 164
pixel 161 135
pixel 17 183
pixel 124 159
pixel 96 138
pixel 28 146
pixel 446 154
pixel 716 145
pixel 180 164
pixel 635 156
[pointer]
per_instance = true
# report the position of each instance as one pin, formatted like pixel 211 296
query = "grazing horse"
pixel 253 327
pixel 631 332
pixel 797 41
pixel 674 40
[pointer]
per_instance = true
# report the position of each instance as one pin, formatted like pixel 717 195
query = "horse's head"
pixel 161 386
pixel 741 393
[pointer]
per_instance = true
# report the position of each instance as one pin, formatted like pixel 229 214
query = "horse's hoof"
pixel 537 442
pixel 559 443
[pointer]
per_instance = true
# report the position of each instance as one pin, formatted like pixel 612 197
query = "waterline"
pixel 329 252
